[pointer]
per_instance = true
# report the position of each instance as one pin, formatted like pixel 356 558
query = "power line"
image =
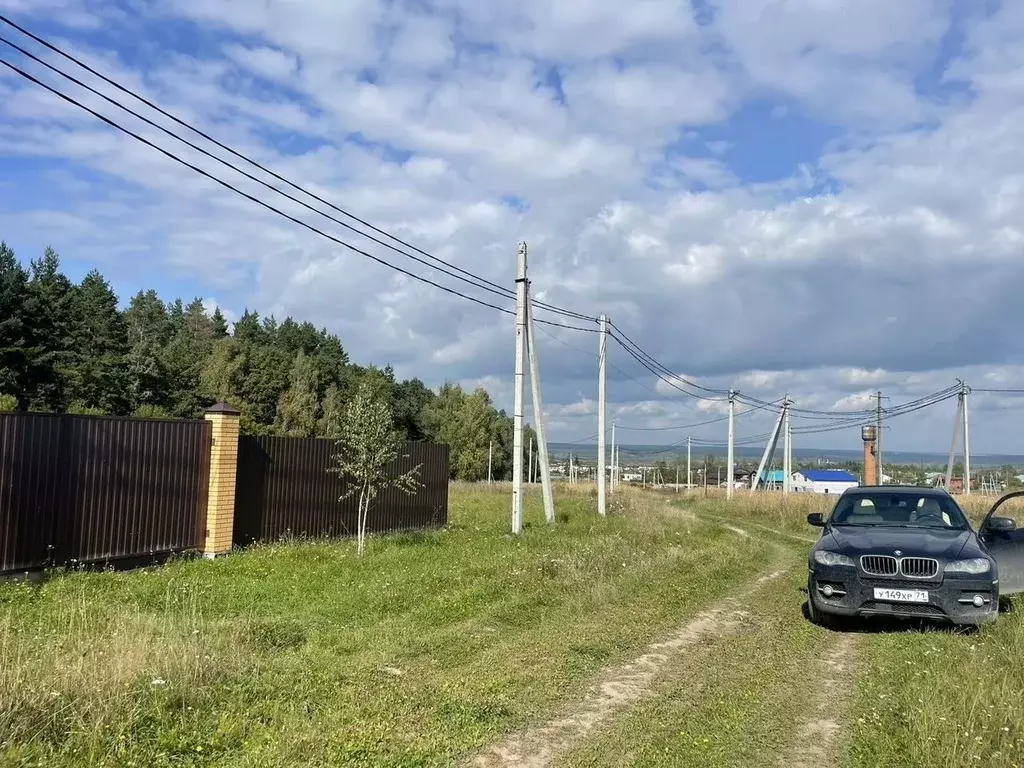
pixel 270 207
pixel 474 280
pixel 639 352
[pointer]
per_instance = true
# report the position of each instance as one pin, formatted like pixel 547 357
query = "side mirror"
pixel 1001 524
pixel 816 519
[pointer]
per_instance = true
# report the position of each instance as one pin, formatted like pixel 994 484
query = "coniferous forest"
pixel 70 348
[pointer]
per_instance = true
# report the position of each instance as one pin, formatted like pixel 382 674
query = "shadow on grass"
pixel 888 625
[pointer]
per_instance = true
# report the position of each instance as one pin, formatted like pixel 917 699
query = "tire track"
pixel 616 689
pixel 818 736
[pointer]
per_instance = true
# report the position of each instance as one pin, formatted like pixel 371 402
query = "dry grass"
pixel 303 654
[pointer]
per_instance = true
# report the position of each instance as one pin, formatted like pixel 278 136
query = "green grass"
pixel 301 654
pixel 940 698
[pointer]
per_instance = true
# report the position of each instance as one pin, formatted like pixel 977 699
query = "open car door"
pixel 1004 540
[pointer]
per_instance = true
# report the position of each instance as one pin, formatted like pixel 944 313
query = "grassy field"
pixel 433 646
pixel 301 654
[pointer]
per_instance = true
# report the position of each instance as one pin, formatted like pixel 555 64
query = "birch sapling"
pixel 367 447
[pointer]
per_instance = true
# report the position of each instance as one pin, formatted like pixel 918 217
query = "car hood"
pixel 912 542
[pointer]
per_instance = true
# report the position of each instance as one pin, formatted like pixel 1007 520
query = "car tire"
pixel 818 617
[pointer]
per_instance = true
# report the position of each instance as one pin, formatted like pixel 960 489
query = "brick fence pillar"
pixel 220 505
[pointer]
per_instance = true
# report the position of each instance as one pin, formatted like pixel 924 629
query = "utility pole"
pixel 490 453
pixel 957 425
pixel 612 483
pixel 572 471
pixel 967 443
pixel 787 445
pixel 677 476
pixel 689 475
pixel 517 408
pixel 538 416
pixel 878 440
pixel 529 474
pixel 769 450
pixel 601 463
pixel 731 469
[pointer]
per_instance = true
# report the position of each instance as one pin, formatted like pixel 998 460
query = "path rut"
pixel 818 736
pixel 617 689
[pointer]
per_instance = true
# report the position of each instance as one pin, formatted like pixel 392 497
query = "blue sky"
pixel 812 196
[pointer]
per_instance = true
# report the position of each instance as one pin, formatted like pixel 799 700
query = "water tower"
pixel 869 434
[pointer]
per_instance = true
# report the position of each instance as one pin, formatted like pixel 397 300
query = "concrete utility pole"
pixel 789 472
pixel 538 415
pixel 601 463
pixel 957 426
pixel 730 460
pixel 613 459
pixel 529 463
pixel 520 381
pixel 769 450
pixel 967 443
pixel 689 475
pixel 490 454
pixel 787 446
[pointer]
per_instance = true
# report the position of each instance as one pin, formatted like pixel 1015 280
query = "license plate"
pixel 902 595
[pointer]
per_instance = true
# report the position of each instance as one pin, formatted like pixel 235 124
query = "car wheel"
pixel 818 617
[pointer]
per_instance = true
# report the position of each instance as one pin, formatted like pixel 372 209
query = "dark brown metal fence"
pixel 88 489
pixel 284 489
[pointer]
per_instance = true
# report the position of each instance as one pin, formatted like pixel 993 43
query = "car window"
pixel 902 509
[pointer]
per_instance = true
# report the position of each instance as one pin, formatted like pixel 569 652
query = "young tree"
pixel 367 444
pixel 332 412
pixel 298 406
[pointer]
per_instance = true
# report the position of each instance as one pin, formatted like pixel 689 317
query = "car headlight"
pixel 824 557
pixel 974 565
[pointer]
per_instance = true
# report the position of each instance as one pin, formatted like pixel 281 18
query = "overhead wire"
pixel 470 278
pixel 114 124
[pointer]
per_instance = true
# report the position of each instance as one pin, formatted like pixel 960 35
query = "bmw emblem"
pixel 897 553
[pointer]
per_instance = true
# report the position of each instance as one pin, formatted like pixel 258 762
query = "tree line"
pixel 69 347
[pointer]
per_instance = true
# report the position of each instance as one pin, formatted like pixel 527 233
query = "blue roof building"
pixel 826 480
pixel 829 476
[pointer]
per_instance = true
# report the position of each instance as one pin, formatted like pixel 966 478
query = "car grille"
pixel 879 565
pixel 919 567
pixel 915 608
pixel 908 567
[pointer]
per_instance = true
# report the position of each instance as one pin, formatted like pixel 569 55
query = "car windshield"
pixel 905 510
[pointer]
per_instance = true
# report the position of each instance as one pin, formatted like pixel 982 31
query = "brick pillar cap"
pixel 224 409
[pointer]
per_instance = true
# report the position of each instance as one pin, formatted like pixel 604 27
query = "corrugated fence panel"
pixel 95 489
pixel 30 489
pixel 284 488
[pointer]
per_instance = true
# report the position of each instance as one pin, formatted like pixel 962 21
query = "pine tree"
pixel 49 316
pixel 98 377
pixel 13 341
pixel 297 411
pixel 218 324
pixel 149 331
pixel 186 356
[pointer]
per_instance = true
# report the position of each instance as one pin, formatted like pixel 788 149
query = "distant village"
pixel 827 480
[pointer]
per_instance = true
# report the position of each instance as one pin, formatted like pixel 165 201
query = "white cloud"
pixel 888 260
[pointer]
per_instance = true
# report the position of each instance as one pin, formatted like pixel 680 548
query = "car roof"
pixel 917 490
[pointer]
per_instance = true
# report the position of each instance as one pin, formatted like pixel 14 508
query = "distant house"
pixel 773 478
pixel 831 481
